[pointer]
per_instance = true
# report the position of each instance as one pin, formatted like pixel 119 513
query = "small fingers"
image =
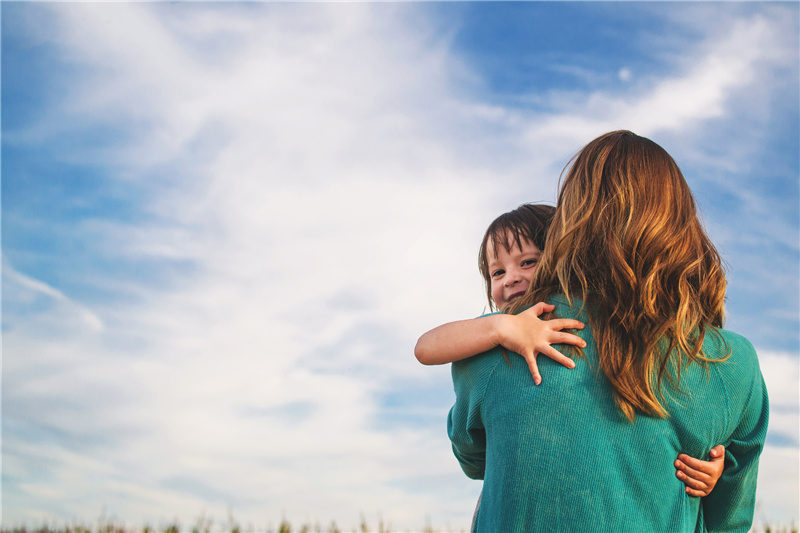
pixel 691 482
pixel 717 452
pixel 696 465
pixel 566 338
pixel 534 368
pixel 564 323
pixel 681 465
pixel 696 493
pixel 557 356
pixel 542 307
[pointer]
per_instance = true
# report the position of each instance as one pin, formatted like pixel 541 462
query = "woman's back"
pixel 562 457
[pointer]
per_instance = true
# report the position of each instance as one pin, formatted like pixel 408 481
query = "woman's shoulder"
pixel 725 345
pixel 471 376
pixel 569 307
pixel 733 359
pixel 481 363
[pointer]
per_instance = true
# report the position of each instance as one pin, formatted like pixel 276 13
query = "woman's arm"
pixel 525 334
pixel 731 505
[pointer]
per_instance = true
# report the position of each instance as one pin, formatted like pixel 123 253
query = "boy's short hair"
pixel 528 221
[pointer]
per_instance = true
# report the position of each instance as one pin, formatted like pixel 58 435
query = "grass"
pixel 766 528
pixel 204 525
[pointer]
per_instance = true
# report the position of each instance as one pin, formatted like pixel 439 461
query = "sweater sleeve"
pixel 731 504
pixel 465 422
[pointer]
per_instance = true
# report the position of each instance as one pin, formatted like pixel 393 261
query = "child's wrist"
pixel 497 330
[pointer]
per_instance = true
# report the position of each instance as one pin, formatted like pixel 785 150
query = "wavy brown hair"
pixel 627 241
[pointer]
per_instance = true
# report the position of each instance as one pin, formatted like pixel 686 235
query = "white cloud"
pixel 700 91
pixel 30 292
pixel 778 498
pixel 782 374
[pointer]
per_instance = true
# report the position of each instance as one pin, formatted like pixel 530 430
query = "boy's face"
pixel 511 271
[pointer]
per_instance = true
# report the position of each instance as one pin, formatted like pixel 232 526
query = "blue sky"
pixel 224 227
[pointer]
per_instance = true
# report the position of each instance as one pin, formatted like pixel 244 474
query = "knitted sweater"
pixel 561 456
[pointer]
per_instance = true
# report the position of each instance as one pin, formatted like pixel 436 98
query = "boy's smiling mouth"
pixel 515 295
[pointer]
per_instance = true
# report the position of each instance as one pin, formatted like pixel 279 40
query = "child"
pixel 508 256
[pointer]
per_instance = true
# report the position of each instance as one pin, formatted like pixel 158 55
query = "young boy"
pixel 508 256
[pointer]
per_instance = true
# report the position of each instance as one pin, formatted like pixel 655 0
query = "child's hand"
pixel 701 476
pixel 528 335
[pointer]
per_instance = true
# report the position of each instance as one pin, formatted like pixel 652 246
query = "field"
pixel 284 526
pixel 203 525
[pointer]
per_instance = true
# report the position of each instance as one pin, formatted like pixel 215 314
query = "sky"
pixel 224 227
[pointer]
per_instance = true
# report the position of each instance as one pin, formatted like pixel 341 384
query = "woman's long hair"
pixel 626 240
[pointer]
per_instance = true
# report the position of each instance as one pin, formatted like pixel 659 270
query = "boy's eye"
pixel 530 262
pixel 497 273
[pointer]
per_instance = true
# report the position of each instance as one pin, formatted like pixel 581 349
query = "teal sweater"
pixel 561 456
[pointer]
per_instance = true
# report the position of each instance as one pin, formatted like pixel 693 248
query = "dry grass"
pixel 204 525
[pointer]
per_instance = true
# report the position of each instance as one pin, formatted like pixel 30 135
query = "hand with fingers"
pixel 699 476
pixel 529 336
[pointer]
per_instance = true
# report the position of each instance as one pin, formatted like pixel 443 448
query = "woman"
pixel 591 449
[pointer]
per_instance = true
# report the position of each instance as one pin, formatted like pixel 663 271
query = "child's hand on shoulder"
pixel 699 476
pixel 528 335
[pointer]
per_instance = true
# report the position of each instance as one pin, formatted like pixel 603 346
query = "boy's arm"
pixel 525 334
pixel 699 476
pixel 455 341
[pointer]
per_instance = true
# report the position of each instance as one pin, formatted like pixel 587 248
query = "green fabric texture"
pixel 561 456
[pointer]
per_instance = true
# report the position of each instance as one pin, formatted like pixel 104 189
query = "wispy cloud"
pixel 702 87
pixel 780 492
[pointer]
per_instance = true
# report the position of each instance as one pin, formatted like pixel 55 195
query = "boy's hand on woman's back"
pixel 699 476
pixel 528 335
